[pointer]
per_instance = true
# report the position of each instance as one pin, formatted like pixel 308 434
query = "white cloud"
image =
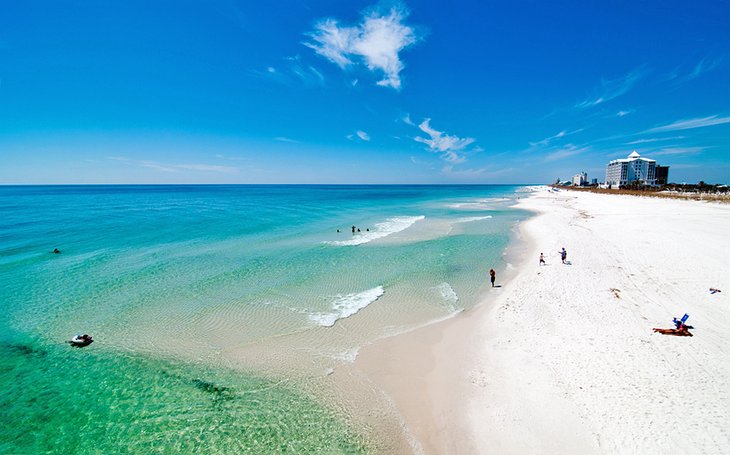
pixel 307 74
pixel 691 123
pixel 292 73
pixel 565 152
pixel 462 173
pixel 206 168
pixel 679 151
pixel 157 166
pixel 448 146
pixel 703 66
pixel 286 139
pixel 407 120
pixel 655 139
pixel 547 140
pixel 376 41
pixel 623 113
pixel 174 167
pixel 468 174
pixel 545 143
pixel 611 89
pixel 359 134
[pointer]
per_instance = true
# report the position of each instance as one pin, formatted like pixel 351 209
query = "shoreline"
pixel 563 359
pixel 404 365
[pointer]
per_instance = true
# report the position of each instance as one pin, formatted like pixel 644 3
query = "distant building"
pixel 580 179
pixel 594 182
pixel 662 174
pixel 631 169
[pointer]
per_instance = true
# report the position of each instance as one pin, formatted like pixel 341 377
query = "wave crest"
pixel 384 229
pixel 345 306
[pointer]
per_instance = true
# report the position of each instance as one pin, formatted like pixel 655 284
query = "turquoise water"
pixel 202 298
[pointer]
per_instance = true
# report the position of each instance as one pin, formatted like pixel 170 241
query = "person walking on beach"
pixel 542 259
pixel 563 255
pixel 492 276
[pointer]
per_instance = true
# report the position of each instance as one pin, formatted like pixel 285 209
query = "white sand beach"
pixel 562 358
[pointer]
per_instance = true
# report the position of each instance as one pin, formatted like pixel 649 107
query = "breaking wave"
pixel 345 306
pixel 384 229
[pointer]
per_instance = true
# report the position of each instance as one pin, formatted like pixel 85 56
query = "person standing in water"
pixel 353 228
pixel 492 276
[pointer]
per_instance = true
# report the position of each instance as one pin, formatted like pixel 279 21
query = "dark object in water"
pixel 209 387
pixel 23 350
pixel 80 341
pixel 56 251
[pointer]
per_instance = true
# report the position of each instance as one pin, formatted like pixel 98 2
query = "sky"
pixel 361 91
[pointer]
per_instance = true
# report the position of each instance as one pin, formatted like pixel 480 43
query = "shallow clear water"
pixel 175 281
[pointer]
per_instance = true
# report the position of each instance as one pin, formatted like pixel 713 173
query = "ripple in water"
pixel 63 400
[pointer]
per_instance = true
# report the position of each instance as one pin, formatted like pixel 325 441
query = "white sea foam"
pixel 348 356
pixel 447 292
pixel 472 218
pixel 346 305
pixel 380 230
pixel 479 204
pixel 532 188
pixel 449 295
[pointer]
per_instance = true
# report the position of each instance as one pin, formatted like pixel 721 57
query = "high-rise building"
pixel 631 169
pixel 580 179
pixel 662 174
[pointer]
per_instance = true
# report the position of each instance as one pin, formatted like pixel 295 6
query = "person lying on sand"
pixel 682 331
pixel 714 291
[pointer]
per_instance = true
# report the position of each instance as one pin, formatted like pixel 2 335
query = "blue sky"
pixel 360 92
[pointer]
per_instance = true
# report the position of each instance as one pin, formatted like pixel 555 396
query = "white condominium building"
pixel 624 171
pixel 580 179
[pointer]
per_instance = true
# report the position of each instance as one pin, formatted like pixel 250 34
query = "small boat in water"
pixel 80 341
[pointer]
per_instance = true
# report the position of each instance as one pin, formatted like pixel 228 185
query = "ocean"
pixel 221 313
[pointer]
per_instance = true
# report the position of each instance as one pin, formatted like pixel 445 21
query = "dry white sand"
pixel 563 358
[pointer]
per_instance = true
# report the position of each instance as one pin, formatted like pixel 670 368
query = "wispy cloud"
pixel 654 139
pixel 702 67
pixel 566 151
pixel 376 41
pixel 359 134
pixel 611 89
pixel 307 74
pixel 286 139
pixel 407 120
pixel 206 168
pixel 679 151
pixel 293 73
pixel 548 140
pixel 462 173
pixel 470 174
pixel 623 113
pixel 164 167
pixel 449 147
pixel 545 144
pixel 690 124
